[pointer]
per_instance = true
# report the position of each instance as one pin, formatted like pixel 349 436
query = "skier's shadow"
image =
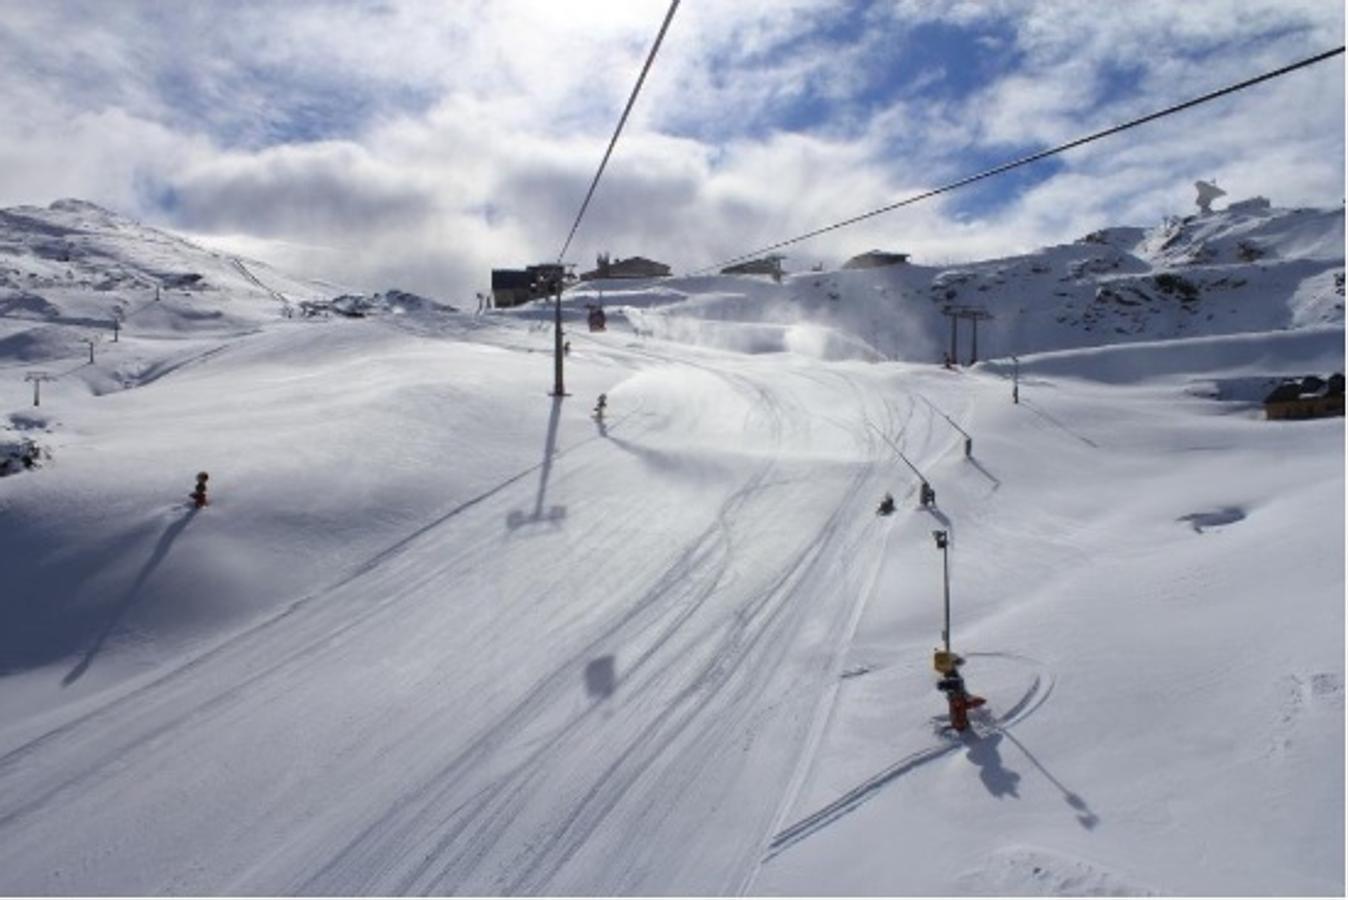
pixel 129 598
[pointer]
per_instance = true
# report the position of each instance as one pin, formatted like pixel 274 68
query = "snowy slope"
pixel 440 633
pixel 1247 268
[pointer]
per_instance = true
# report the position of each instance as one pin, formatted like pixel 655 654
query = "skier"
pixel 886 505
pixel 600 407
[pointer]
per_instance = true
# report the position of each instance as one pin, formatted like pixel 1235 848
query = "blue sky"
pixel 418 144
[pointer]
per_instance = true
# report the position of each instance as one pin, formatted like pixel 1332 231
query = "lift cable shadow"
pixel 1041 413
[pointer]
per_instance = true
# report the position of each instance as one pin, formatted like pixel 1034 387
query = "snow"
pixel 439 632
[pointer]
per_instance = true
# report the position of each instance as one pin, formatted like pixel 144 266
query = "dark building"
pixel 632 267
pixel 1310 398
pixel 768 265
pixel 875 259
pixel 511 287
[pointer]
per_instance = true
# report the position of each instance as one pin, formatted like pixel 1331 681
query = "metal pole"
pixel 558 389
pixel 954 331
pixel 1015 383
pixel 905 459
pixel 942 542
pixel 974 357
pixel 37 378
pixel 945 571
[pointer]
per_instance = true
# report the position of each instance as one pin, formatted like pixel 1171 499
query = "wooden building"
pixel 767 265
pixel 632 267
pixel 1311 397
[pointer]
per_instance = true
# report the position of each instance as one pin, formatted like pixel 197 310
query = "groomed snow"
pixel 438 632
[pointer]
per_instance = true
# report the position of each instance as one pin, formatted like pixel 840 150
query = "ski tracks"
pixel 547 794
pixel 1041 686
pixel 659 745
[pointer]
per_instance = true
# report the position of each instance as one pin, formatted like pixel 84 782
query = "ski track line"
pixel 544 695
pixel 750 631
pixel 826 706
pixel 726 669
pixel 511 791
pixel 13 758
pixel 679 579
pixel 1035 696
pixel 497 802
pixel 799 571
pixel 167 369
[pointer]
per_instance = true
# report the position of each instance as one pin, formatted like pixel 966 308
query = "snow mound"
pixel 1031 871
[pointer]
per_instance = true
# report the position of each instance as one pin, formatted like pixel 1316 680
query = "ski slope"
pixel 439 632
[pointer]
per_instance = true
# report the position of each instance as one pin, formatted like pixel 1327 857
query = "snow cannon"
pixel 952 685
pixel 199 495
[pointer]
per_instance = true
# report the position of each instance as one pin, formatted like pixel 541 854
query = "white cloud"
pixel 414 144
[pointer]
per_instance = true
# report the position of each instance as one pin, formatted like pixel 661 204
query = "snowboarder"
pixel 886 505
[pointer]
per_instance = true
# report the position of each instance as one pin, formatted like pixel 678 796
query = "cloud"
pixel 308 191
pixel 419 145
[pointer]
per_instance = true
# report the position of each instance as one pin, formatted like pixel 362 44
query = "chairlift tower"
pixel 37 378
pixel 548 279
pixel 975 315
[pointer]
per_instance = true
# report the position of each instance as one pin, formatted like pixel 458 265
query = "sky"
pixel 419 144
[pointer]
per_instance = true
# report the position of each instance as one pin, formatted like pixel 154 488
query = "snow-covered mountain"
pixel 74 263
pixel 437 632
pixel 1250 267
